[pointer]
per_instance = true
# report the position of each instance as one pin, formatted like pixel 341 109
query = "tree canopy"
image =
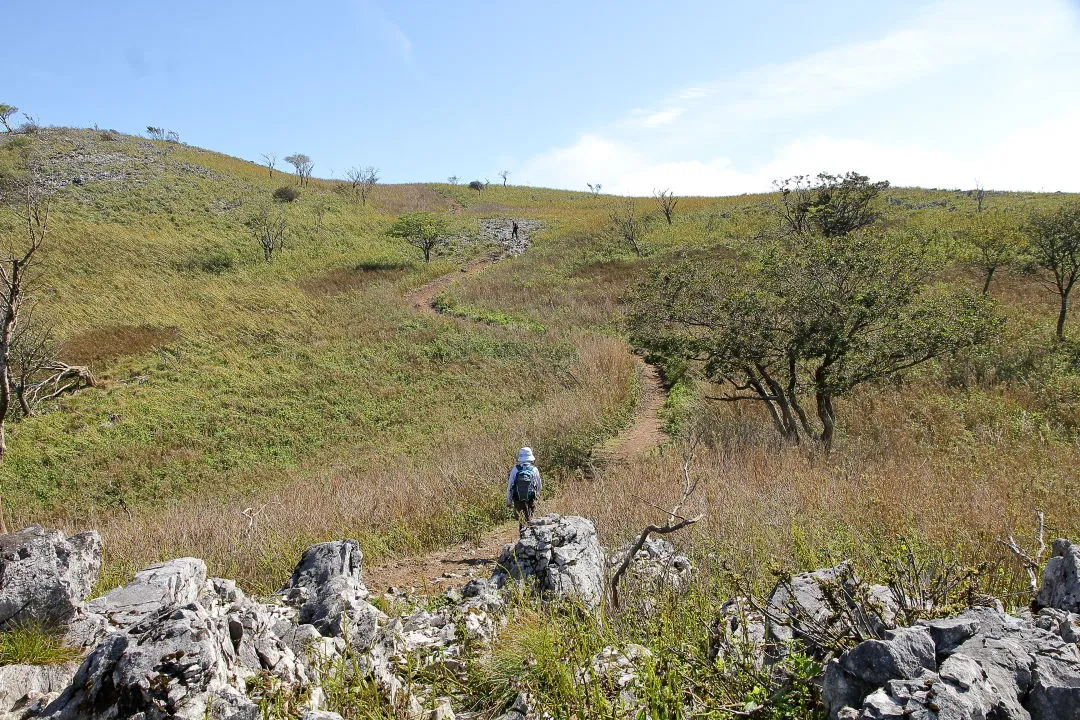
pixel 422 230
pixel 809 315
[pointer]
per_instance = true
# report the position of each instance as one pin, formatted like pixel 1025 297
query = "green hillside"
pixel 245 409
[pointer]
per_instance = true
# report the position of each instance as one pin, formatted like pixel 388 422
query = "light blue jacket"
pixel 513 476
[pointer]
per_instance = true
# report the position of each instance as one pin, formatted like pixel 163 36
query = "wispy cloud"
pixel 372 12
pixel 966 89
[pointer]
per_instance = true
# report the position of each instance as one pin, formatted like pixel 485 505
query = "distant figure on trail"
pixel 523 486
pixel 513 232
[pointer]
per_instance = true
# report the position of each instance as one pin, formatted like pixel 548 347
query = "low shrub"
pixel 286 193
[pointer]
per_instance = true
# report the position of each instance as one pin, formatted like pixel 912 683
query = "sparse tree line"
pixel 835 297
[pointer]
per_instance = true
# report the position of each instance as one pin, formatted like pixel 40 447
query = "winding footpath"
pixel 451 565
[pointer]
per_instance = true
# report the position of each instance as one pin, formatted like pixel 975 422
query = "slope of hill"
pixel 269 405
pixel 286 401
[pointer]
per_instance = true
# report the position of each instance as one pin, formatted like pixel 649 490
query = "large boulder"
pixel 818 607
pixel 159 587
pixel 655 566
pixel 1061 579
pixel 190 661
pixel 167 667
pixel 559 557
pixel 980 664
pixel 328 589
pixel 45 576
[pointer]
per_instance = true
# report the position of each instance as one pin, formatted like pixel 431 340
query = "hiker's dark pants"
pixel 523 510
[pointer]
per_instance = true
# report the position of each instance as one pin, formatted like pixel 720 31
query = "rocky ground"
pixel 175 643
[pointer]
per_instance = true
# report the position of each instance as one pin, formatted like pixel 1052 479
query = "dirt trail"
pixel 423 297
pixel 454 565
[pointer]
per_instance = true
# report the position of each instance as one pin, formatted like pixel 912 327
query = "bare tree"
pixel 630 225
pixel 667 202
pixel 268 229
pixel 37 375
pixel 1055 245
pixel 155 133
pixel 362 181
pixel 302 163
pixel 14 268
pixel 980 197
pixel 271 160
pixel 594 188
pixel 453 179
pixel 674 522
pixel 6 111
pixel 504 174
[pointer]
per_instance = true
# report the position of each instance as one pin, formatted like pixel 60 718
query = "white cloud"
pixel 662 117
pixel 967 91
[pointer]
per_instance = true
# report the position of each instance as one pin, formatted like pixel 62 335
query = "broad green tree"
pixel 808 316
pixel 478 186
pixel 423 230
pixel 1055 245
pixel 994 241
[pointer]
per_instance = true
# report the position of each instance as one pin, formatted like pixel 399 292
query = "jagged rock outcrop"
pixel 817 606
pixel 979 664
pixel 190 661
pixel 1061 579
pixel 159 587
pixel 656 565
pixel 24 687
pixel 45 576
pixel 327 588
pixel 559 557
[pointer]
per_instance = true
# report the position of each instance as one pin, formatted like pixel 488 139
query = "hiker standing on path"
pixel 523 486
pixel 514 230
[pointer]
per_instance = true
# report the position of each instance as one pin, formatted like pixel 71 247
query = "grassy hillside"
pixel 307 389
pixel 249 408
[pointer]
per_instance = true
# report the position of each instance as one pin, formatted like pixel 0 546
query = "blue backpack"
pixel 525 483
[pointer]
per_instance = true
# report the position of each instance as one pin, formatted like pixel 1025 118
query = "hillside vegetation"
pixel 245 409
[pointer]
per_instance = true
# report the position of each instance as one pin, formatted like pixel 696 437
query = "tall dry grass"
pixel 913 464
pixel 392 504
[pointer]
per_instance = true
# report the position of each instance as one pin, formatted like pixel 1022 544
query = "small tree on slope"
pixel 808 317
pixel 423 230
pixel 1055 245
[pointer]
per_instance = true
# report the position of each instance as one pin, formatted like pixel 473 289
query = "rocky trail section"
pixel 494 233
pixel 177 644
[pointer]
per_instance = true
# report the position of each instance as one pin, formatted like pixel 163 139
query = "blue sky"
pixel 704 96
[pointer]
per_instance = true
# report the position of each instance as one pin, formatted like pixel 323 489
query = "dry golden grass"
pixel 102 345
pixel 393 504
pixel 919 462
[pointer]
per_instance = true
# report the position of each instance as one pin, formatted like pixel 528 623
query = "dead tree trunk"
pixel 674 522
pixel 12 294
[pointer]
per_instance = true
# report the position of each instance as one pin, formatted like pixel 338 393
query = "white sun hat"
pixel 526 455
